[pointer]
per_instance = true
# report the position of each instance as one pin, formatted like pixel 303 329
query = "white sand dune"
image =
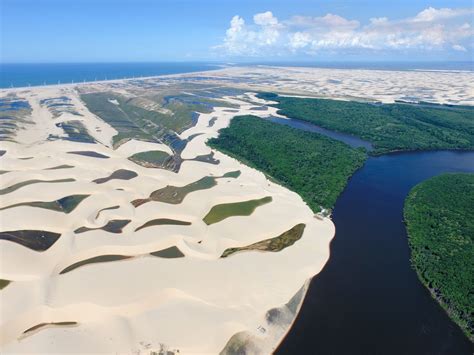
pixel 193 304
pixel 196 303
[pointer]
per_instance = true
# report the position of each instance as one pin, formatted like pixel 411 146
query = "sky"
pixel 37 31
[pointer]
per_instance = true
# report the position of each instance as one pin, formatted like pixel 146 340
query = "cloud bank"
pixel 432 29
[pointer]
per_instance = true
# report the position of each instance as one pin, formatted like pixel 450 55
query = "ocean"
pixel 21 75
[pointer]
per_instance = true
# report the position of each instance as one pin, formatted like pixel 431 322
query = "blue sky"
pixel 231 30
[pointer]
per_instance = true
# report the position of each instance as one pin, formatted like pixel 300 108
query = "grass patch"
pixel 276 244
pixel 151 159
pixel 4 283
pixel 226 210
pixel 176 194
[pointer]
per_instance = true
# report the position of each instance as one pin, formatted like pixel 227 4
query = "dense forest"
pixel 314 166
pixel 389 127
pixel 439 216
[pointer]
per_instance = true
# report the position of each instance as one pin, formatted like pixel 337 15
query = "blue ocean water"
pixel 20 75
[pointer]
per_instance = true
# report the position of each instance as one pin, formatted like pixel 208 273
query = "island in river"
pixel 438 214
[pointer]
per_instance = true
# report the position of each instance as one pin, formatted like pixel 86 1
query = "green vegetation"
pixel 314 166
pixel 151 159
pixel 4 283
pixel 129 120
pixel 276 244
pixel 226 210
pixel 14 113
pixel 232 174
pixel 439 216
pixel 75 131
pixel 389 127
pixel 148 117
pixel 59 105
pixel 176 194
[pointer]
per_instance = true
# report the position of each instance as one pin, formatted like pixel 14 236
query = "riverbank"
pixel 395 312
pixel 386 127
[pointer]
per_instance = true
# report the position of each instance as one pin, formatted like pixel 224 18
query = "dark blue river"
pixel 368 299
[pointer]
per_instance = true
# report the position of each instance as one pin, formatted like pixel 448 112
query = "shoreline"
pixel 111 81
pixel 226 71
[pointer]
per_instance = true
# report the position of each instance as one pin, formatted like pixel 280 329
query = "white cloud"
pixel 329 21
pixel 241 38
pixel 432 14
pixel 430 29
pixel 265 19
pixel 458 47
pixel 299 40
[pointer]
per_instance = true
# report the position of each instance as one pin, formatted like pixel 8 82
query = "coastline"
pixel 348 83
pixel 109 81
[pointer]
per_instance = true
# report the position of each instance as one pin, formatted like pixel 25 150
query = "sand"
pixel 197 303
pixel 193 304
